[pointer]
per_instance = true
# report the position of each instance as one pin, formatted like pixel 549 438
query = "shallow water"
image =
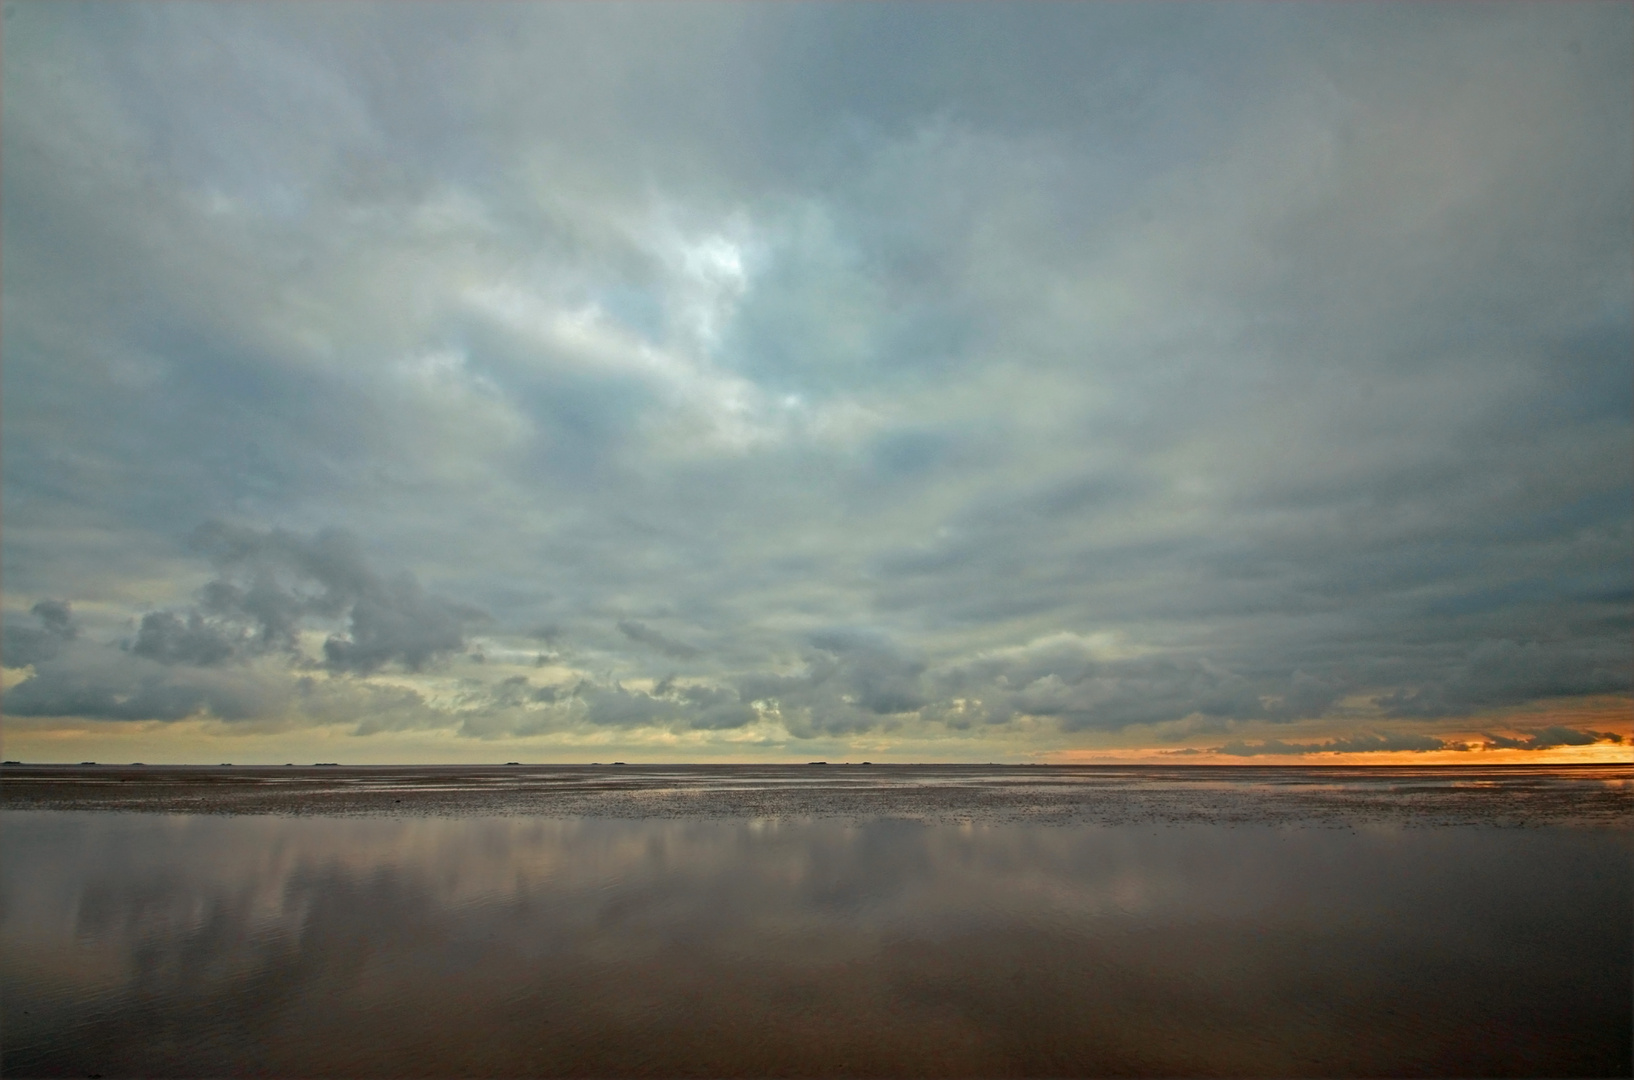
pixel 406 944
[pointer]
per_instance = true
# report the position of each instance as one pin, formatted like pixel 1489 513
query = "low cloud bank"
pixel 1359 744
pixel 1547 739
pixel 1551 737
pixel 236 654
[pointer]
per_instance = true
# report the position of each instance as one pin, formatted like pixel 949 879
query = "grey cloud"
pixel 99 682
pixel 1307 696
pixel 252 561
pixel 1551 737
pixel 714 707
pixel 169 639
pixel 1061 677
pixel 374 708
pixel 690 706
pixel 396 620
pixel 57 617
pixel 25 645
pixel 1356 744
pixel 872 672
pixel 1496 673
pixel 852 680
pixel 1288 344
pixel 518 690
pixel 272 582
pixel 103 682
pixel 389 619
pixel 515 706
pixel 646 635
pixel 1112 696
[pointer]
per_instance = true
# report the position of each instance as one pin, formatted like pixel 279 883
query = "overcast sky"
pixel 794 381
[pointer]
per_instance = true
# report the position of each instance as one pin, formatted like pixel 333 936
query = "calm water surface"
pixel 207 944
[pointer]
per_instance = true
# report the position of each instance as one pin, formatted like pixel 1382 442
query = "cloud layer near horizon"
pixel 814 376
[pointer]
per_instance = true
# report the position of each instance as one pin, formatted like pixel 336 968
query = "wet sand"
pixel 815 921
pixel 1510 796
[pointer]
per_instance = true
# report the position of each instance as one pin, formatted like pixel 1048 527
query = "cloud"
pixel 264 581
pixel 646 635
pixel 852 680
pixel 396 621
pixel 1507 672
pixel 102 681
pixel 169 639
pixel 1356 744
pixel 1086 685
pixel 57 618
pixel 25 645
pixel 1546 739
pixel 1092 367
pixel 668 705
pixel 1551 737
pixel 237 655
pixel 105 683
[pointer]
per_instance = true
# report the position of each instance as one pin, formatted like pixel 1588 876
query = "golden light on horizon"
pixel 1605 753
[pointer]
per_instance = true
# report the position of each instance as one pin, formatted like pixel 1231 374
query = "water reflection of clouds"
pixel 103 879
pixel 635 926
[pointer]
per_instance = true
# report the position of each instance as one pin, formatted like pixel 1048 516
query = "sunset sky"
pixel 773 382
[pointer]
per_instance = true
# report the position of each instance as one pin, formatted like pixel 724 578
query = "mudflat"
pixel 1517 796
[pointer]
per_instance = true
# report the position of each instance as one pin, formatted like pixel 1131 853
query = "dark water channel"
pixel 196 944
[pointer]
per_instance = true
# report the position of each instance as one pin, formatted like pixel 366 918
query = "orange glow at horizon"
pixel 1610 713
pixel 1606 753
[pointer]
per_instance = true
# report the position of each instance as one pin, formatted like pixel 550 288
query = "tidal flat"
pixel 816 921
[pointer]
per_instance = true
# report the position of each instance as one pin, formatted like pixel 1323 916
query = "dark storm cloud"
pixel 1109 364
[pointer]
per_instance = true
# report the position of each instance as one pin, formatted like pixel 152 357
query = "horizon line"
pixel 1240 764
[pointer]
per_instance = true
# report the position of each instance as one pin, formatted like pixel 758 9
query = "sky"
pixel 428 382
